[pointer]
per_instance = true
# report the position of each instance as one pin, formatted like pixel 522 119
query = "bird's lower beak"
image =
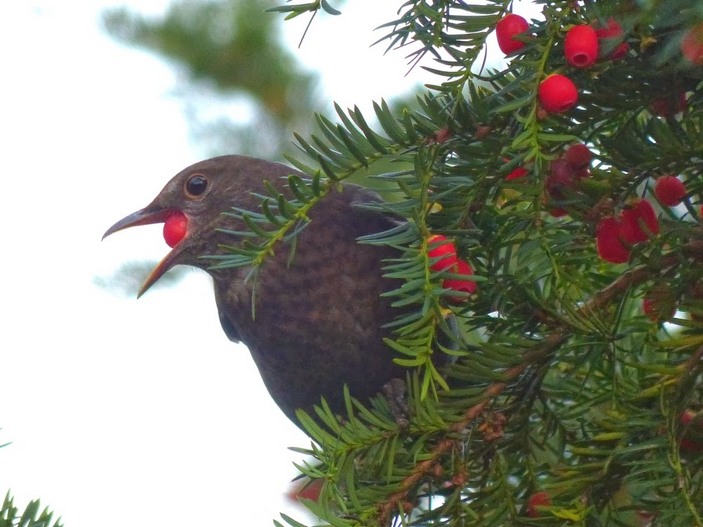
pixel 147 216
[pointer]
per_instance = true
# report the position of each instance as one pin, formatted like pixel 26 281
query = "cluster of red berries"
pixel 636 223
pixel 443 257
pixel 566 172
pixel 692 51
pixel 615 236
pixel 583 46
pixel 557 93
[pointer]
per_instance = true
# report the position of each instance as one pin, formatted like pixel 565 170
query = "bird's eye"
pixel 196 185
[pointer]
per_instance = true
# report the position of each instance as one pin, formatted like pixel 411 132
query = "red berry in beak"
pixel 175 228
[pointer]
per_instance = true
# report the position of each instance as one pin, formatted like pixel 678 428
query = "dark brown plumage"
pixel 318 319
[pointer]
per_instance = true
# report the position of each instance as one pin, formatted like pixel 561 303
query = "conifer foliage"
pixel 31 516
pixel 575 391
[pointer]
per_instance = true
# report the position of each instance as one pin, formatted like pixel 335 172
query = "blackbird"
pixel 319 314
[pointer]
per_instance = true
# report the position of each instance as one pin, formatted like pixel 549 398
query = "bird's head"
pixel 196 198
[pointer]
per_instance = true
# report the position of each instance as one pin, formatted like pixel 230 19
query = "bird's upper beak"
pixel 147 216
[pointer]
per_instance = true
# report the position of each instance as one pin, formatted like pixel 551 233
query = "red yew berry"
pixel 557 93
pixel 558 212
pixel 308 490
pixel 691 446
pixel 608 243
pixel 693 431
pixel 620 51
pixel 669 190
pixel 508 27
pixel 483 131
pixel 583 173
pixel 692 45
pixel 669 106
pixel 578 156
pixel 581 46
pixel 650 308
pixel 441 251
pixel 536 501
pixel 689 417
pixel 460 284
pixel 441 135
pixel 517 173
pixel 638 222
pixel 175 228
pixel 658 306
pixel 608 34
pixel 611 29
pixel 561 178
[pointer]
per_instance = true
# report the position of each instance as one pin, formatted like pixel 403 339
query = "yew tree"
pixel 568 181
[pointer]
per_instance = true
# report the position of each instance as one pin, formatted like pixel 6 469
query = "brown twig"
pixel 694 359
pixel 446 444
pixel 636 276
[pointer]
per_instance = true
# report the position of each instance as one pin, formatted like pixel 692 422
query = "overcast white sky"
pixel 122 411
